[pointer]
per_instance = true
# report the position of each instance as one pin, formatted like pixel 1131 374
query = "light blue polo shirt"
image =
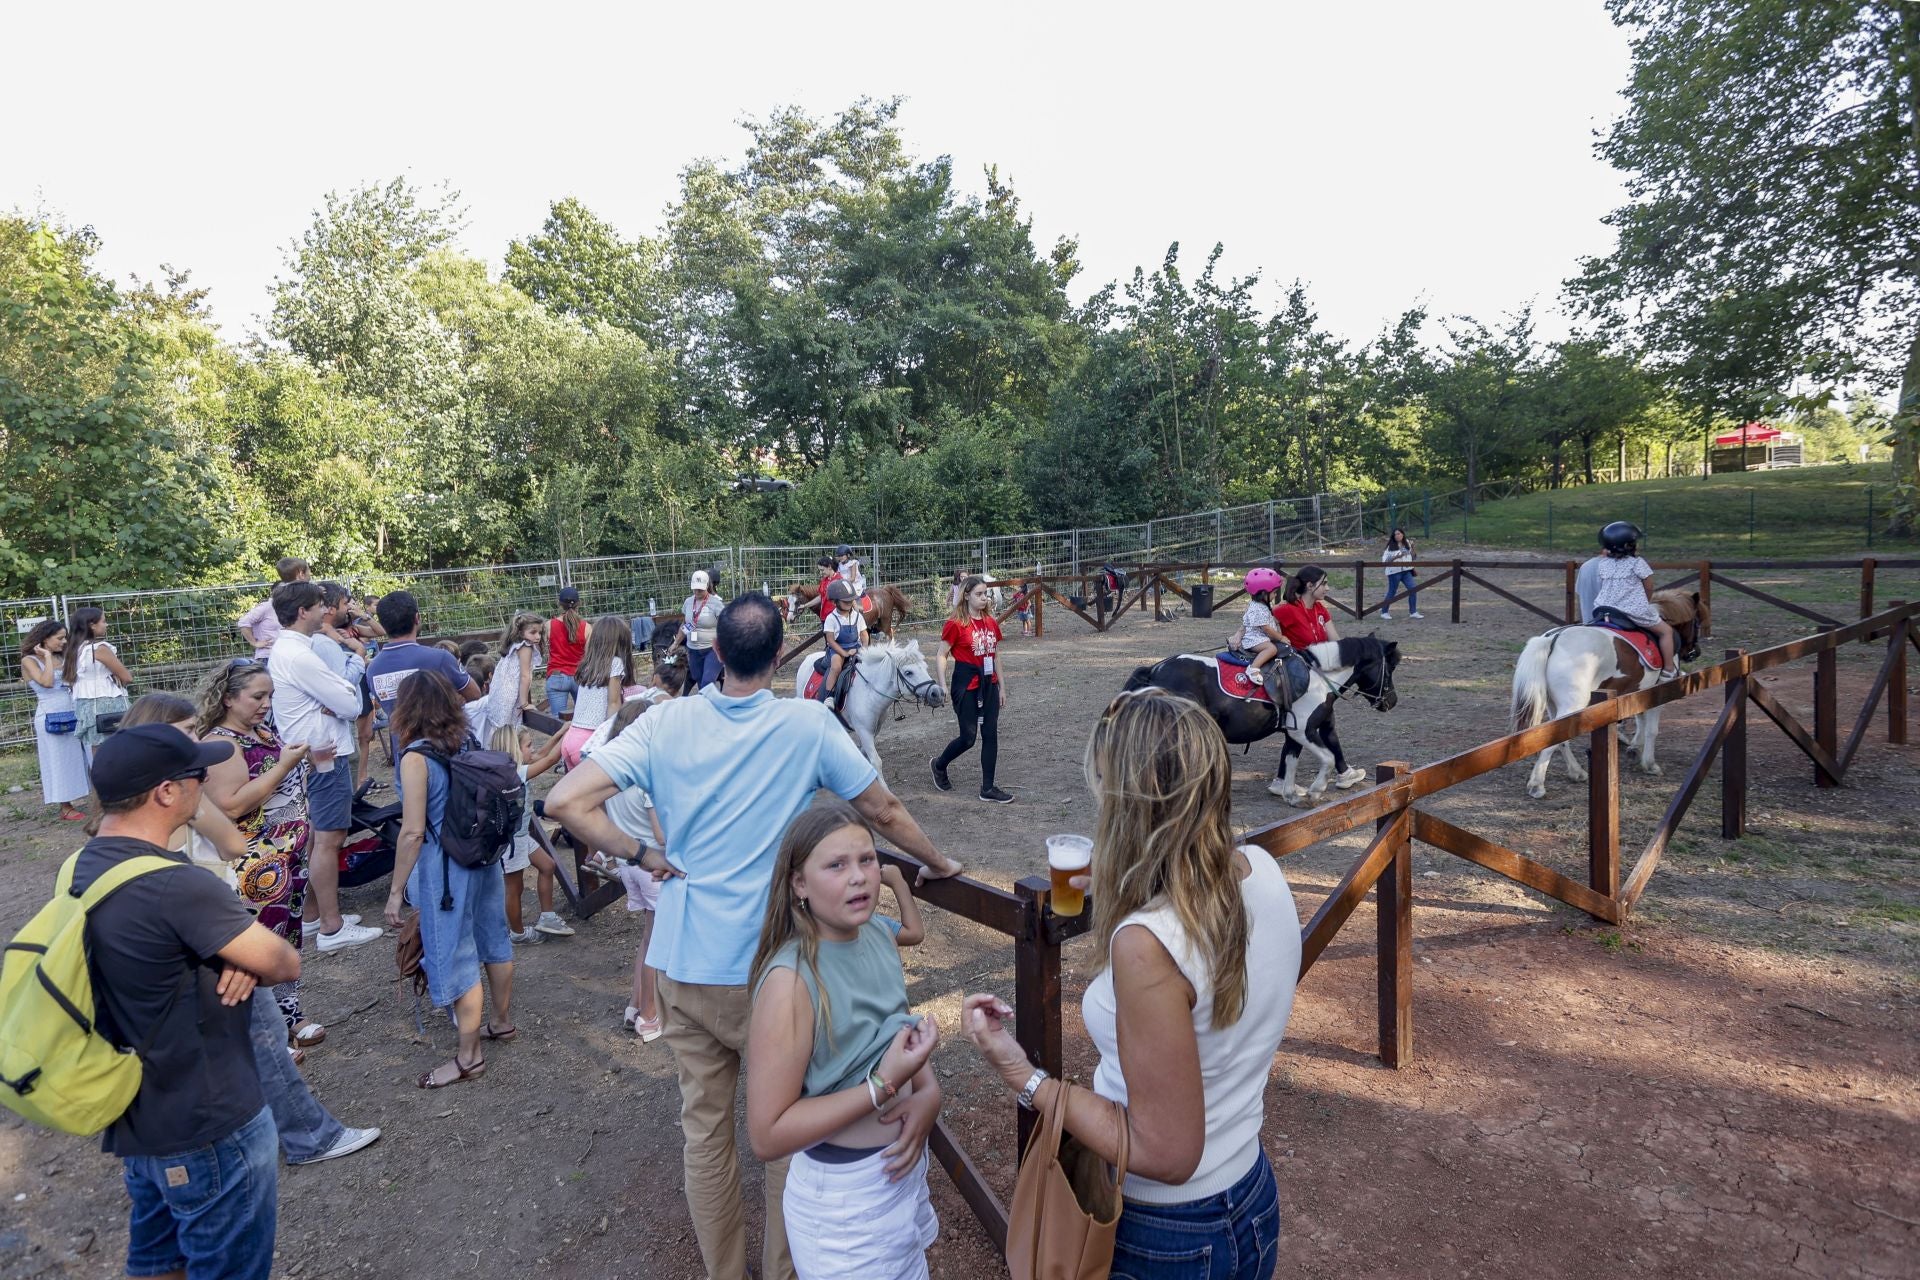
pixel 727 777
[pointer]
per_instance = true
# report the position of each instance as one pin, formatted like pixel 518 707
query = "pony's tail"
pixel 1530 704
pixel 1140 679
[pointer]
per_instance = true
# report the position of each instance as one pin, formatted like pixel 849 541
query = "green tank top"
pixel 868 994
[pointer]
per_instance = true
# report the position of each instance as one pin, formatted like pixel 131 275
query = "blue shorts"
pixel 209 1211
pixel 330 796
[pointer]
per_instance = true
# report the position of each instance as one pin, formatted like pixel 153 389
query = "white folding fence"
pixel 169 638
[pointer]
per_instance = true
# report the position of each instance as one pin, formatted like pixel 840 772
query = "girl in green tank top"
pixel 840 1077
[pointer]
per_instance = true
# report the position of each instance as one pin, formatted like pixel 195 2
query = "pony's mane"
pixel 1678 606
pixel 895 649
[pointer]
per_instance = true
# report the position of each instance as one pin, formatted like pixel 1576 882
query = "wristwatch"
pixel 1032 1087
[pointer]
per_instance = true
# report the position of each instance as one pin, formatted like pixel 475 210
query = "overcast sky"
pixel 1385 153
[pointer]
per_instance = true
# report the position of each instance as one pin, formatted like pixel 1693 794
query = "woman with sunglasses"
pixel 262 788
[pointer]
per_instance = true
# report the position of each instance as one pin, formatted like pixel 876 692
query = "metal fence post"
pixel 1218 553
pixel 1270 547
pixel 1549 524
pixel 1076 551
pixel 1150 537
pixel 984 566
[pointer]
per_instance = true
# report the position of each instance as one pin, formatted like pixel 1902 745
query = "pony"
pixel 888 672
pixel 1368 663
pixel 891 606
pixel 1560 671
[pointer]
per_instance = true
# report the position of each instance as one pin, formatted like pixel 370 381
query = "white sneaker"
pixel 522 938
pixel 311 927
pixel 1351 778
pixel 349 1141
pixel 551 924
pixel 1387 617
pixel 348 935
pixel 1416 615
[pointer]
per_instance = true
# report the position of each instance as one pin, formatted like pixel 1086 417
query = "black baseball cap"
pixel 569 595
pixel 134 761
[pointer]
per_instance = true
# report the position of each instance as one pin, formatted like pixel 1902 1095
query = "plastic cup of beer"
pixel 322 754
pixel 1067 857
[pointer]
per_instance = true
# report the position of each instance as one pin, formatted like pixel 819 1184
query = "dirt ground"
pixel 1725 1087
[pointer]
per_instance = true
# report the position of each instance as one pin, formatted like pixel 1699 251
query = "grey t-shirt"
pixel 1586 585
pixel 152 952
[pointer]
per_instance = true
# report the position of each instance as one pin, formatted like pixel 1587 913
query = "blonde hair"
pixel 960 611
pixel 1158 765
pixel 519 622
pixel 506 740
pixel 786 919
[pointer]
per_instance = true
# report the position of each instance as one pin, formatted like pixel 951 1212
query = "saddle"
pixel 817 675
pixel 1231 670
pixel 1644 642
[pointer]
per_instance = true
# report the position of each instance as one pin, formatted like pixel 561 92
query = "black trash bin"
pixel 1203 600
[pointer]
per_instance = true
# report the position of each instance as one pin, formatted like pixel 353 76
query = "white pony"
pixel 1559 672
pixel 889 671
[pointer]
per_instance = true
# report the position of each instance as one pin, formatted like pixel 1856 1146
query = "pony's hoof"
pixel 1575 773
pixel 1305 800
pixel 1650 766
pixel 1537 790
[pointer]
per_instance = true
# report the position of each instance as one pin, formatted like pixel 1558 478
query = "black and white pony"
pixel 1366 664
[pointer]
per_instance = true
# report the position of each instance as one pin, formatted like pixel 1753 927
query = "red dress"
pixel 973 642
pixel 1303 625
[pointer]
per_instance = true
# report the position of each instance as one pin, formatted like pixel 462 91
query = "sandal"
pixel 473 1072
pixel 504 1037
pixel 306 1034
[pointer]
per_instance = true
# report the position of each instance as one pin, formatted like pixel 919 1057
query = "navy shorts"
pixel 330 796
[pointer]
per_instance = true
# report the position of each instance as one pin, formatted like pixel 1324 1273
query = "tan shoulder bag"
pixel 1066 1206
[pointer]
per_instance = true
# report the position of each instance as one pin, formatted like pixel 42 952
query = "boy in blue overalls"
pixel 846 632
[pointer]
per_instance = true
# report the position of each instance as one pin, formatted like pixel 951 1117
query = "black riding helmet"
pixel 839 592
pixel 1621 537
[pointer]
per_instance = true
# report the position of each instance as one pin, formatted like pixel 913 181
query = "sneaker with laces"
pixel 1351 778
pixel 349 1141
pixel 994 795
pixel 347 935
pixel 940 778
pixel 648 1029
pixel 523 938
pixel 311 927
pixel 553 926
pixel 1416 615
pixel 1387 617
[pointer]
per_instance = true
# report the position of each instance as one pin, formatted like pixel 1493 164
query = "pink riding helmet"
pixel 1259 580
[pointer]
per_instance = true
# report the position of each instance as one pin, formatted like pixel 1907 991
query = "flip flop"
pixel 473 1072
pixel 488 1033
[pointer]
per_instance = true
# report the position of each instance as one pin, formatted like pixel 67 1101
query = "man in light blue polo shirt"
pixel 727 773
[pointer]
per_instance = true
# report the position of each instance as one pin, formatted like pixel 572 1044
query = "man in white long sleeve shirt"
pixel 316 705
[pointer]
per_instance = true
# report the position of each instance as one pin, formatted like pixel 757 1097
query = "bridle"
pixel 1350 687
pixel 902 688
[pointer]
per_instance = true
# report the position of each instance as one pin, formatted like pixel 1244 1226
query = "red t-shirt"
pixel 563 651
pixel 1302 626
pixel 972 643
pixel 826 605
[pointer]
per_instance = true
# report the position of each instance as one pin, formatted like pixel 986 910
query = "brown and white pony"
pixel 890 606
pixel 1559 672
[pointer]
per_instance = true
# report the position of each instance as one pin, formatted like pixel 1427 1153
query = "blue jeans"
pixel 1402 582
pixel 209 1212
pixel 1234 1235
pixel 306 1128
pixel 703 667
pixel 560 691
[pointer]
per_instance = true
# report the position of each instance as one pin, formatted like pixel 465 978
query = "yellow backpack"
pixel 56 1069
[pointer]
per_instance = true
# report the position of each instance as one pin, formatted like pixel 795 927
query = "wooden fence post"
pixel 1393 915
pixel 1603 809
pixel 1866 591
pixel 1897 682
pixel 1705 588
pixel 1100 604
pixel 1826 709
pixel 1157 615
pixel 1573 596
pixel 1036 989
pixel 1733 758
pixel 1456 591
pixel 1359 590
pixel 1039 598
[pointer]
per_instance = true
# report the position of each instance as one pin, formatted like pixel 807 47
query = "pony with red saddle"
pixel 883 607
pixel 1560 671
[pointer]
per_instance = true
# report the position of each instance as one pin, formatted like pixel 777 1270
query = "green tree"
pixel 1585 392
pixel 1481 398
pixel 1772 153
pixel 577 265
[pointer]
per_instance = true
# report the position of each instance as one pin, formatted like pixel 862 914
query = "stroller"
pixel 371 843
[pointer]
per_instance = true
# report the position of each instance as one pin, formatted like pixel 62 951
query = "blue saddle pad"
pixel 1232 659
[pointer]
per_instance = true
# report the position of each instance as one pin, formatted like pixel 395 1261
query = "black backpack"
pixel 486 799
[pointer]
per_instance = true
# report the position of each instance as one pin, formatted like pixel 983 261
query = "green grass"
pixel 1808 512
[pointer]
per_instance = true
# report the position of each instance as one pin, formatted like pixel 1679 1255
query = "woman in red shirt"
pixel 1304 620
pixel 566 642
pixel 971 641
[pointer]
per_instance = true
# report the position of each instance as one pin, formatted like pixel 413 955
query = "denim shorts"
pixel 210 1211
pixel 330 796
pixel 560 691
pixel 1234 1235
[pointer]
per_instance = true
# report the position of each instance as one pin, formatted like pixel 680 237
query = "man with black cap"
pixel 174 957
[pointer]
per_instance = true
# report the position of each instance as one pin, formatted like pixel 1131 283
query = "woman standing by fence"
pixel 95 673
pixel 1399 552
pixel 63 761
pixel 566 642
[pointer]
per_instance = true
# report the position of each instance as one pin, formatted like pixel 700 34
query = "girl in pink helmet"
pixel 1260 635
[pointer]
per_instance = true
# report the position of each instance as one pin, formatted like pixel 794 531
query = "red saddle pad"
pixel 1234 683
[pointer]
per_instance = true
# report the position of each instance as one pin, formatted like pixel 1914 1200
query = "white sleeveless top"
pixel 1235 1060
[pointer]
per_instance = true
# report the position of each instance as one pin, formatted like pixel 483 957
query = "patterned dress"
pixel 272 878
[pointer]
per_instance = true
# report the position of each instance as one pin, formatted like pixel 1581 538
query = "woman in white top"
pixel 1183 923
pixel 94 670
pixel 601 678
pixel 700 614
pixel 1398 557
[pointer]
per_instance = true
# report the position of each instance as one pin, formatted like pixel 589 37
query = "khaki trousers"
pixel 706 1027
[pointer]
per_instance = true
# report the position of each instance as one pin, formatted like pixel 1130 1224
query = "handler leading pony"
pixel 1559 673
